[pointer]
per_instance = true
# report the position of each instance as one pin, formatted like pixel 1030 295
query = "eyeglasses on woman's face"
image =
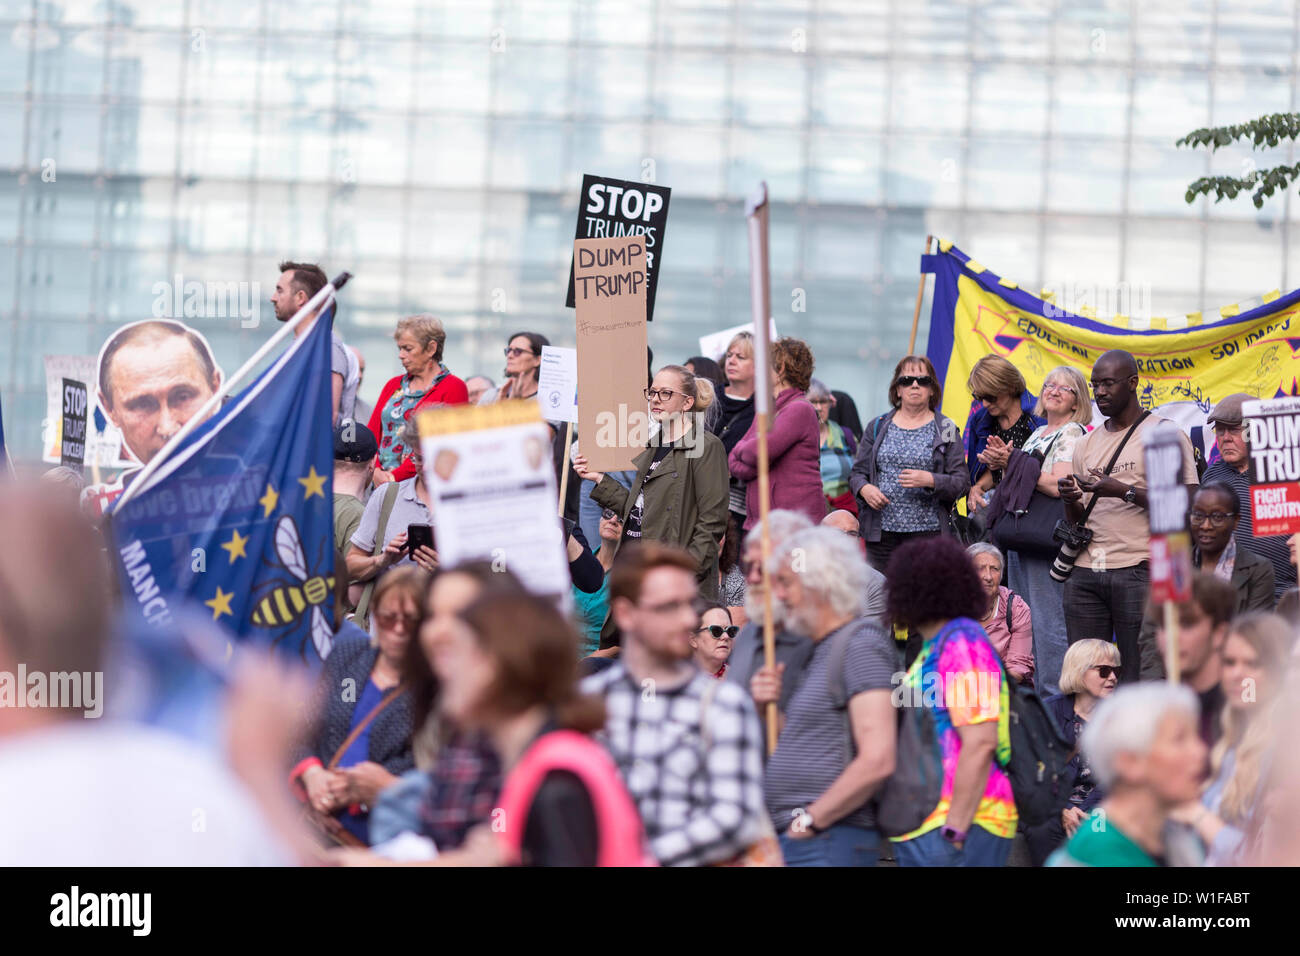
pixel 391 621
pixel 515 353
pixel 1053 388
pixel 1104 671
pixel 717 630
pixel 1217 519
pixel 659 394
pixel 907 381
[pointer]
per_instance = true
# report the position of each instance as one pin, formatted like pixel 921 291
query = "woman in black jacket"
pixel 1089 674
pixel 362 739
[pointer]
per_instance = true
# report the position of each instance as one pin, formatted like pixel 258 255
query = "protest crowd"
pixel 920 594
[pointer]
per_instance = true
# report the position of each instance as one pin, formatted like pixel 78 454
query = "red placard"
pixel 1171 567
pixel 1275 509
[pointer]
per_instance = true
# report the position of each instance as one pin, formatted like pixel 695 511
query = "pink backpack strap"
pixel 621 837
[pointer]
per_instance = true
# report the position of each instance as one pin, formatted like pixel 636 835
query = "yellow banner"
pixel 1184 371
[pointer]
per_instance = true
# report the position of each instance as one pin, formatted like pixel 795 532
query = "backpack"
pixel 1036 768
pixel 914 789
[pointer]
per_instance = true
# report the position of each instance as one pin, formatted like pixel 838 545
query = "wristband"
pixel 952 835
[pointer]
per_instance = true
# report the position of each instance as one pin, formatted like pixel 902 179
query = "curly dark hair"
pixel 729 557
pixel 792 359
pixel 933 579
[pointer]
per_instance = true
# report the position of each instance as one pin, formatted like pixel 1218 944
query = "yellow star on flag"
pixel 236 545
pixel 221 604
pixel 313 483
pixel 268 500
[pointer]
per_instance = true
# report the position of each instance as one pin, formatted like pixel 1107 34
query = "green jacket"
pixel 685 502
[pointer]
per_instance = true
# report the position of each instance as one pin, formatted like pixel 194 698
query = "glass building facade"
pixel 435 150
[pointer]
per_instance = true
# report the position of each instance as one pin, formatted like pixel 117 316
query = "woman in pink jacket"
pixel 793 440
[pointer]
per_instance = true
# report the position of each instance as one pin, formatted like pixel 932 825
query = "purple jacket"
pixel 794 460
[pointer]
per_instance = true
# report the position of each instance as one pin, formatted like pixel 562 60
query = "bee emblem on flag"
pixel 285 602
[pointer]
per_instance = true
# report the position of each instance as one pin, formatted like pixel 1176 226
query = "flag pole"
pixel 920 294
pixel 315 303
pixel 1171 643
pixel 756 213
pixel 565 468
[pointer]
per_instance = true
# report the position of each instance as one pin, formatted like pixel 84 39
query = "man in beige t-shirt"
pixel 1107 592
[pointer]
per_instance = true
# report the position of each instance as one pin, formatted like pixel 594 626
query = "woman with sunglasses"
pixel 362 742
pixel 679 495
pixel 714 639
pixel 1089 674
pixel 1003 421
pixel 1068 409
pixel 910 467
pixel 523 365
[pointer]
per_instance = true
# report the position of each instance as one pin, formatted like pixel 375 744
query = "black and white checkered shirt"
pixel 699 789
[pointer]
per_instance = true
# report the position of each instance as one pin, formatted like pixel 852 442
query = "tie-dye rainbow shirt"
pixel 964 685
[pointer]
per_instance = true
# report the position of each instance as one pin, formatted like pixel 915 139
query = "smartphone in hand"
pixel 418 535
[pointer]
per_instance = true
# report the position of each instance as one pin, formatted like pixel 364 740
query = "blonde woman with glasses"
pixel 1065 404
pixel 679 495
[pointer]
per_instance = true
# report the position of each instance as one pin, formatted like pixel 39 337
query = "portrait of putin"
pixel 153 377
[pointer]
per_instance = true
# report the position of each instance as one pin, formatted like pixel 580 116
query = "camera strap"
pixel 1114 458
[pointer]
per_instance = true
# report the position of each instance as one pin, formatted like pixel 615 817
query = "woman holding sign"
pixel 679 496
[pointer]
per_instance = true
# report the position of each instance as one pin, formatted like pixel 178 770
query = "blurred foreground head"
pixel 53 590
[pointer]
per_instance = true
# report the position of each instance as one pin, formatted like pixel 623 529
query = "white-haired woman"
pixel 425 383
pixel 1089 675
pixel 1007 620
pixel 1065 403
pixel 1146 752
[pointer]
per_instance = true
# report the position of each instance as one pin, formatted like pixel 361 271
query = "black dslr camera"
pixel 1073 538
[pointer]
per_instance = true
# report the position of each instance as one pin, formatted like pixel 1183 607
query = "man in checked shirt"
pixel 688 746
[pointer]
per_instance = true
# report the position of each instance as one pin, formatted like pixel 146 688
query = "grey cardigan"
pixel 947 464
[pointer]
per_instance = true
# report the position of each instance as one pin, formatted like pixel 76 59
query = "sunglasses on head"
pixel 907 381
pixel 1105 670
pixel 717 630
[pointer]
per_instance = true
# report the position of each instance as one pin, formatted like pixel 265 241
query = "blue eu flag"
pixel 239 518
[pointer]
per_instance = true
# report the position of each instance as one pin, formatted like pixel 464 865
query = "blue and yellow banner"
pixel 1185 371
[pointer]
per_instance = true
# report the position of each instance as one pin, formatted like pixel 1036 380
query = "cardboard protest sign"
pixel 1171 550
pixel 612 416
pixel 611 208
pixel 103 441
pixel 557 384
pixel 1274 465
pixel 492 477
pixel 72 448
pixel 714 345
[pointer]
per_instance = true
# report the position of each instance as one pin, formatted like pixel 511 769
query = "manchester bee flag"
pixel 239 519
pixel 1186 364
